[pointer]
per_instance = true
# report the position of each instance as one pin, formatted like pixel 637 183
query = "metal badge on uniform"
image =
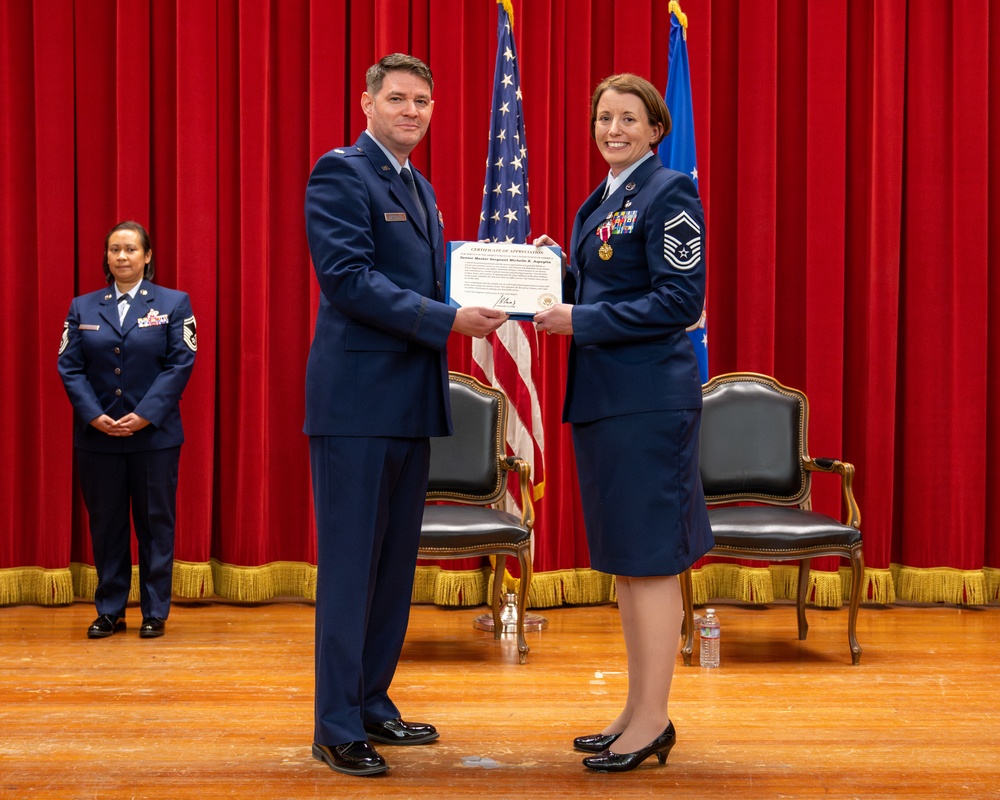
pixel 629 186
pixel 108 296
pixel 338 151
pixel 385 168
pixel 64 341
pixel 86 327
pixel 191 334
pixel 395 216
pixel 682 242
pixel 143 292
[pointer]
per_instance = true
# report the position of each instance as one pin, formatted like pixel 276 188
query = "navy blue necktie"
pixel 407 177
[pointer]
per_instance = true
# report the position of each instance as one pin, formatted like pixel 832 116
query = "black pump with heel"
pixel 608 761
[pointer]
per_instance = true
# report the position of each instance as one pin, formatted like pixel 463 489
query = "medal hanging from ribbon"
pixel 605 251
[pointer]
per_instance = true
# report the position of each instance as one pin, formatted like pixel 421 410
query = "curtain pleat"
pixel 847 168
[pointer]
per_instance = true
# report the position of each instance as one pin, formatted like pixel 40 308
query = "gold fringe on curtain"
pixel 992 584
pixel 758 585
pixel 940 585
pixel 762 585
pixel 880 586
pixel 443 587
pixel 44 587
pixel 548 589
pixel 193 579
pixel 256 584
pixel 825 590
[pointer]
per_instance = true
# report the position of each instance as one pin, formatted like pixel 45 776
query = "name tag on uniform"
pixel 395 216
pixel 84 327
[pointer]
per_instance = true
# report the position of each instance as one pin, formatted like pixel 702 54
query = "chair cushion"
pixel 470 526
pixel 776 528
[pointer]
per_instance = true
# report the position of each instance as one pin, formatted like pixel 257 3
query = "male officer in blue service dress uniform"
pixel 376 389
pixel 124 372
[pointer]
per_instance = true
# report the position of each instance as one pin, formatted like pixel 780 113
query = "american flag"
pixel 508 358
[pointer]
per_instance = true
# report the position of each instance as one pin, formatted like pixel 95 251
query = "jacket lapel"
pixel 109 307
pixel 397 188
pixel 616 200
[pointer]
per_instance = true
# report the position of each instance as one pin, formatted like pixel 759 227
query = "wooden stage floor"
pixel 222 707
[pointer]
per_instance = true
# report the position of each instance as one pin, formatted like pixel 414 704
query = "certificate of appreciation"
pixel 517 278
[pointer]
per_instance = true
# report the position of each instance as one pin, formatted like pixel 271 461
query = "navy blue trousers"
pixel 368 495
pixel 145 484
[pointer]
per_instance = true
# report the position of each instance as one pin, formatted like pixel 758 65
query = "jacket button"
pixel 118 392
pixel 118 350
pixel 118 370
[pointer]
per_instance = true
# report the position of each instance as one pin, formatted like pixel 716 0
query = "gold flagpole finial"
pixel 509 8
pixel 675 9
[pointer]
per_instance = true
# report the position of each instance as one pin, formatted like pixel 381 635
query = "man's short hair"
pixel 396 62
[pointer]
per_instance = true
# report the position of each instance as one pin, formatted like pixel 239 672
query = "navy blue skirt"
pixel 640 487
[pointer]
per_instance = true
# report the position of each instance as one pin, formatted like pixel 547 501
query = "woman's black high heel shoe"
pixel 596 742
pixel 623 762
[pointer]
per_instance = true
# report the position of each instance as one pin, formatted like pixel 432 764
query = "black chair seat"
pixel 772 528
pixel 470 527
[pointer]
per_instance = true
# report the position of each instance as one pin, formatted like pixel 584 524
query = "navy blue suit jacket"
pixel 378 364
pixel 141 366
pixel 630 351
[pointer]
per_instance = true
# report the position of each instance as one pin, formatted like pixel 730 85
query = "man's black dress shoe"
pixel 395 731
pixel 623 762
pixel 152 627
pixel 104 626
pixel 596 742
pixel 353 758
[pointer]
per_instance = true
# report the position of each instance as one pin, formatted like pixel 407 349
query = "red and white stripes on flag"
pixel 508 359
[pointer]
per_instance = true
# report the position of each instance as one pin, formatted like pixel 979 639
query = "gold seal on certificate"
pixel 517 278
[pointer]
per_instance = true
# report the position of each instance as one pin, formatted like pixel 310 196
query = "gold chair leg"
pixel 800 600
pixel 857 585
pixel 522 603
pixel 687 626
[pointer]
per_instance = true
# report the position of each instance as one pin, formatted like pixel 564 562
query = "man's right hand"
pixel 478 321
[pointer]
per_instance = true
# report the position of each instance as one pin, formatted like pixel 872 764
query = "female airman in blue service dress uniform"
pixel 633 397
pixel 125 357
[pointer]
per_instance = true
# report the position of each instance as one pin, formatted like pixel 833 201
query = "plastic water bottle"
pixel 710 633
pixel 508 614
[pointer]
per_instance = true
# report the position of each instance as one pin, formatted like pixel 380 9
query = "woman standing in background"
pixel 125 357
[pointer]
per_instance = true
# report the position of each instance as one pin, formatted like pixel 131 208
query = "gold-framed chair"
pixel 468 472
pixel 753 450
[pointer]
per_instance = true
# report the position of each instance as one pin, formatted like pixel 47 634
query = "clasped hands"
pixel 126 426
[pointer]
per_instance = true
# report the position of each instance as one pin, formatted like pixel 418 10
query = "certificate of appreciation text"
pixel 517 278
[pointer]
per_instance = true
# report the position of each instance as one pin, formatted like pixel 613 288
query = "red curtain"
pixel 845 166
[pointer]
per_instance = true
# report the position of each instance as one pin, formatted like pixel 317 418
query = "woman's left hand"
pixel 558 319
